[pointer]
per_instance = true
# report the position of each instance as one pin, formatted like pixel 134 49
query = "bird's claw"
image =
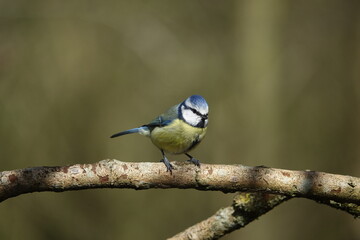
pixel 169 166
pixel 194 161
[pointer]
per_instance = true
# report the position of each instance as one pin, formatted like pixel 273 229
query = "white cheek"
pixel 190 117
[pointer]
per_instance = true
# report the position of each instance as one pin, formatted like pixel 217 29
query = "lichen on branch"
pixel 144 175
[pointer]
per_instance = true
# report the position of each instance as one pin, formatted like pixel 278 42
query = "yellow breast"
pixel 177 137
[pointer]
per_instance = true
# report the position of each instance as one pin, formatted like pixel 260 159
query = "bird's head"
pixel 194 111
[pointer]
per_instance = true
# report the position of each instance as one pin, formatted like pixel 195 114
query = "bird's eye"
pixel 194 111
pixel 203 116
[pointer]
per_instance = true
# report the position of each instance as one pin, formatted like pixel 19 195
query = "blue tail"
pixel 133 130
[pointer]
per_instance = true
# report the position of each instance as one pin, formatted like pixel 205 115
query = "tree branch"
pixel 246 208
pixel 338 191
pixel 143 175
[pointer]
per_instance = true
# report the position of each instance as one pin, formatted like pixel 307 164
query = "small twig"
pixel 351 208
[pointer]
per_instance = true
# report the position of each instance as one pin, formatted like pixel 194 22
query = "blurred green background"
pixel 282 79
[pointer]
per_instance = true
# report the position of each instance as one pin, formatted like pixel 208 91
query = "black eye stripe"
pixel 200 123
pixel 203 116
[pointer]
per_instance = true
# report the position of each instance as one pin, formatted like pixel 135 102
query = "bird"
pixel 177 131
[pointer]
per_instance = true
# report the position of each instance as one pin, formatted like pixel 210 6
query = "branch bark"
pixel 246 208
pixel 269 187
pixel 144 175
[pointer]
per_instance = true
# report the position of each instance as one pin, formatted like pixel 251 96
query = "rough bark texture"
pixel 246 208
pixel 143 175
pixel 265 187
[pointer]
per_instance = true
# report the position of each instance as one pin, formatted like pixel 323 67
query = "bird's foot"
pixel 194 161
pixel 169 166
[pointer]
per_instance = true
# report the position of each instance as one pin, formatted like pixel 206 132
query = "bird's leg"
pixel 193 160
pixel 168 165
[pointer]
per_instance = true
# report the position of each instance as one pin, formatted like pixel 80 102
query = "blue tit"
pixel 178 130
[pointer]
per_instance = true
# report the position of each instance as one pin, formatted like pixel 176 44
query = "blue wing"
pixel 164 119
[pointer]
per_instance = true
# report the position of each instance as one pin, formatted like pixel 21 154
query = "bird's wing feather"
pixel 165 118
